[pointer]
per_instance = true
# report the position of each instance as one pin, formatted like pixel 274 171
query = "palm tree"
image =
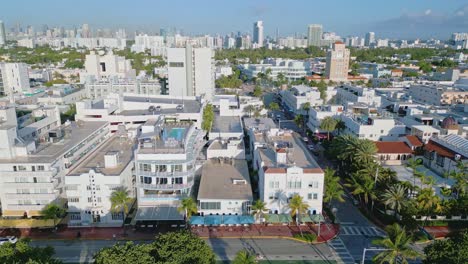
pixel 328 124
pixel 365 151
pixel 248 109
pixel 258 208
pixel 306 108
pixel 333 189
pixel 273 106
pixel 52 211
pixel 397 244
pixel 428 202
pixel 413 164
pixel 340 125
pixel 299 120
pixel 188 207
pixel 297 206
pixel 244 257
pixel 363 187
pixel 120 202
pixel 395 198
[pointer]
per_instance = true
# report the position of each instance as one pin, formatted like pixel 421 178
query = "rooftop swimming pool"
pixel 177 133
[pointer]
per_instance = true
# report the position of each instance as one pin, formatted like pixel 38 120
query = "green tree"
pixel 333 189
pixel 120 202
pixel 363 187
pixel 181 247
pixel 125 253
pixel 257 92
pixel 328 124
pixel 414 164
pixel 258 208
pixel 274 106
pixel 428 203
pixel 306 107
pixel 23 252
pixel 188 207
pixel 453 250
pixel 425 66
pixel 52 211
pixel 395 198
pixel 69 114
pixel 208 117
pixel 397 244
pixel 298 207
pixel 244 257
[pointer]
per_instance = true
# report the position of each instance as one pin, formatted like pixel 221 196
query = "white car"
pixel 305 139
pixel 11 239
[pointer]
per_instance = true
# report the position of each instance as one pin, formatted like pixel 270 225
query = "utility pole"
pixel 370 249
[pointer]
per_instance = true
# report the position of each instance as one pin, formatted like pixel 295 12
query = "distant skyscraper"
pixel 2 34
pixel 314 35
pixel 258 33
pixel 85 31
pixel 337 62
pixel 370 38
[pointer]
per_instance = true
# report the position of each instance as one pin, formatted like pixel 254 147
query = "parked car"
pixel 306 139
pixel 311 147
pixel 11 239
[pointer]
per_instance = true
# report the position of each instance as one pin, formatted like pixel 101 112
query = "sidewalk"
pixel 327 232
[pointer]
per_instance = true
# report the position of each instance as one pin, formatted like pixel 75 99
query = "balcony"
pixel 163 187
pixel 162 197
pixel 166 174
pixel 36 207
pixel 43 196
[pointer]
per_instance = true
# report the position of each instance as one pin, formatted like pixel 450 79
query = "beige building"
pixel 337 62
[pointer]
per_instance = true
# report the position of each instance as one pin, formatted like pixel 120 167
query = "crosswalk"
pixel 360 230
pixel 344 257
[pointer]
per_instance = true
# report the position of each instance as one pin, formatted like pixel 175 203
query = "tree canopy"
pixel 449 251
pixel 23 252
pixel 208 117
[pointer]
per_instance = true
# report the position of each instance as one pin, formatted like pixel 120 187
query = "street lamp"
pixel 370 249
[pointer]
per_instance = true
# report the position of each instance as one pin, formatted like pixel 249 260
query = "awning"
pixel 278 218
pixel 316 218
pixel 230 220
pixel 13 213
pixel 246 219
pixel 197 220
pixel 305 219
pixel 160 213
pixel 213 220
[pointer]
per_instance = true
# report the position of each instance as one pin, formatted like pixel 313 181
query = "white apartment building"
pixel 89 185
pixel 317 114
pixel 285 168
pixel 233 105
pixel 103 89
pixel 36 126
pixel 165 166
pixel 258 34
pixel 133 110
pixel 291 69
pixel 32 173
pixel 373 127
pixel 2 34
pixel 226 148
pixel 296 97
pixel 438 95
pixel 15 78
pixel 108 67
pixel 60 43
pixel 225 188
pixel 190 71
pixel 62 95
pixel 144 42
pixel 355 94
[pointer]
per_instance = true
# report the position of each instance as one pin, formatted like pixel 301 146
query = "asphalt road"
pixel 225 249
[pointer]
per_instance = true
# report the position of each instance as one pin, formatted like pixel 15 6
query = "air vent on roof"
pixel 239 182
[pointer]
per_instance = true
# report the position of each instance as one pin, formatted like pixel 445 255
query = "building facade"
pixel 337 62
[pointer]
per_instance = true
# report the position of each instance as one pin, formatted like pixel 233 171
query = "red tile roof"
pixel 275 170
pixel 313 170
pixel 392 147
pixel 281 150
pixel 414 140
pixel 441 150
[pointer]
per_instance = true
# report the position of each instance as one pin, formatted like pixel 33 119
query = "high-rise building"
pixel 2 34
pixel 370 39
pixel 258 34
pixel 337 62
pixel 314 35
pixel 15 78
pixel 190 71
pixel 85 31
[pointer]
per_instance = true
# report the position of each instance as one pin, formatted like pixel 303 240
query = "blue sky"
pixel 396 18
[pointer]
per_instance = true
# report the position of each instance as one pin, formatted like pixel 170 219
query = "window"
pixel 117 216
pixel 88 187
pixel 177 167
pixel 315 196
pixel 73 199
pixel 98 187
pixel 99 200
pixel 15 168
pixel 21 168
pixel 210 205
pixel 309 196
pixel 90 200
pixel 294 184
pixel 145 167
pixel 176 64
pixel 75 216
pixel 147 180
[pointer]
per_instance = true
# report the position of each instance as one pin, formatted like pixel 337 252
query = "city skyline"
pixel 415 19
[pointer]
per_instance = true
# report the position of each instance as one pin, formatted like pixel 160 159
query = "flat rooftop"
pixel 226 124
pixel 117 145
pixel 259 123
pixel 218 180
pixel 297 152
pixel 189 106
pixel 48 152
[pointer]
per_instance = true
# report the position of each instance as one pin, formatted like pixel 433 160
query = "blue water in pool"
pixel 177 133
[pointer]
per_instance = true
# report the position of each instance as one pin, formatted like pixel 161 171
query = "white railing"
pixel 164 186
